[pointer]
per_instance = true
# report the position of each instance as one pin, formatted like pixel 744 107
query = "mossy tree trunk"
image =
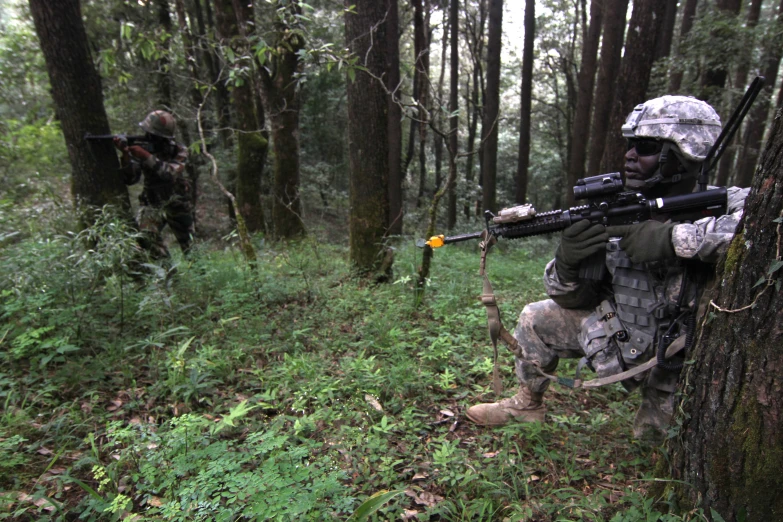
pixel 77 94
pixel 730 447
pixel 251 143
pixel 281 95
pixel 367 135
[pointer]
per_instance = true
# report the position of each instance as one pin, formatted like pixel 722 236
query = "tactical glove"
pixel 577 243
pixel 645 242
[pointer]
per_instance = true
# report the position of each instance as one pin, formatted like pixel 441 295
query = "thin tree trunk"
pixel 727 455
pixel 77 95
pixel 688 15
pixel 526 89
pixel 584 99
pixel 474 35
pixel 489 127
pixel 437 139
pixel 611 49
pixel 451 218
pixel 196 98
pixel 637 63
pixel 395 118
pixel 163 74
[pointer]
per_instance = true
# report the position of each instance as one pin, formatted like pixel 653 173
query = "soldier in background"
pixel 165 198
pixel 647 297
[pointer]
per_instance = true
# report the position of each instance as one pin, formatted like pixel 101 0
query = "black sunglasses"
pixel 645 147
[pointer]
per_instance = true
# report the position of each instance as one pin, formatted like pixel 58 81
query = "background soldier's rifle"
pixel 153 146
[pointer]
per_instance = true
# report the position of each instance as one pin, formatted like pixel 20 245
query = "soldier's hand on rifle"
pixel 577 243
pixel 141 154
pixel 645 242
pixel 120 144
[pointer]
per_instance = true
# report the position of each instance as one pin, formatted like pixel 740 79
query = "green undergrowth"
pixel 297 391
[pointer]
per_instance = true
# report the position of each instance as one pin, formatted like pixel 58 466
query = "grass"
pixel 293 392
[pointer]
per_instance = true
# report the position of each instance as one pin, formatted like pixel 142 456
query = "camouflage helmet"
pixel 691 124
pixel 159 123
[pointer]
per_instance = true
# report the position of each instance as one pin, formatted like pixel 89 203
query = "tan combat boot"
pixel 525 406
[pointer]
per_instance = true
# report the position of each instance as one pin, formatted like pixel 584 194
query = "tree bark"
pixel 757 117
pixel 489 126
pixel 740 81
pixel 663 46
pixel 396 212
pixel 231 19
pixel 688 14
pixel 523 157
pixel 611 52
pixel 76 90
pixel 728 451
pixel 584 100
pixel 451 218
pixel 367 135
pixel 474 35
pixel 281 94
pixel 637 63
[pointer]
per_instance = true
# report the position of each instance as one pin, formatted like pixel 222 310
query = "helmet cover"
pixel 691 124
pixel 159 123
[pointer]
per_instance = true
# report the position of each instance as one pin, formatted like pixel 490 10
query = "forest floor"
pixel 293 391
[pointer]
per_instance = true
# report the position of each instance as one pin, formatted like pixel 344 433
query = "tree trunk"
pixel 196 98
pixel 726 166
pixel 757 121
pixel 526 88
pixel 281 94
pixel 437 138
pixel 421 31
pixel 232 19
pixel 395 118
pixel 164 67
pixel 637 63
pixel 76 90
pixel 663 46
pixel 474 35
pixel 451 218
pixel 611 52
pixel 728 451
pixel 489 126
pixel 584 100
pixel 367 135
pixel 688 14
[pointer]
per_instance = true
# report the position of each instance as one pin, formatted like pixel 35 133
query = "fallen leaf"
pixel 409 514
pixel 44 451
pixel 115 405
pixel 154 501
pixel 490 454
pixel 533 478
pixel 447 413
pixel 372 401
pixel 420 476
pixel 425 498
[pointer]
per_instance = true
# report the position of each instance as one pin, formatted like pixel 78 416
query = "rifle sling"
pixel 498 332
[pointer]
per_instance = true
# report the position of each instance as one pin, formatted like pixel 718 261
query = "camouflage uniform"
pixel 166 195
pixel 576 322
pixel 568 325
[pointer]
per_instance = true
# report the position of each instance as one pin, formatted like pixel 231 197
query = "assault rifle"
pixel 607 204
pixel 153 146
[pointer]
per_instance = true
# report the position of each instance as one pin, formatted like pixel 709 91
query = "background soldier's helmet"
pixel 159 123
pixel 693 125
